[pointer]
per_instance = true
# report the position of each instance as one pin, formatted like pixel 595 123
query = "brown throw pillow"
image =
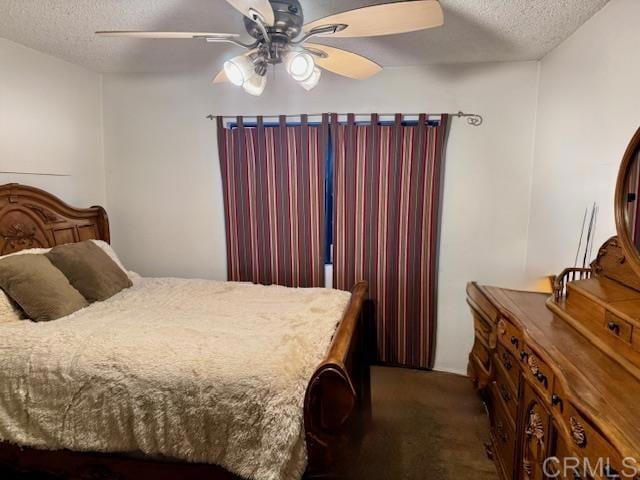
pixel 42 291
pixel 89 270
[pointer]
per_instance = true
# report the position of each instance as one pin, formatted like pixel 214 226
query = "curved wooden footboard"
pixel 338 399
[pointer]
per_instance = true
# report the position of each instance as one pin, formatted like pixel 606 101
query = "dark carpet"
pixel 426 425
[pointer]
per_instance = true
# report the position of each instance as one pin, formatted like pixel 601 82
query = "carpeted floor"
pixel 426 425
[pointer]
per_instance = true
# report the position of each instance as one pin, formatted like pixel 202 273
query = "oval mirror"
pixel 627 203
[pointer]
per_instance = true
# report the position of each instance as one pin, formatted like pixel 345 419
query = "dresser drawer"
pixel 538 371
pixel 509 365
pixel 502 393
pixel 618 327
pixel 535 435
pixel 504 439
pixel 481 325
pixel 588 443
pixel 481 354
pixel 564 464
pixel 509 336
pixel 506 390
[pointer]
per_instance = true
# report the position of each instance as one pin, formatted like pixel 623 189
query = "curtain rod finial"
pixel 472 118
pixel 210 117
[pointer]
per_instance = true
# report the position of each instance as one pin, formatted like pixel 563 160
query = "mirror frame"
pixel 620 204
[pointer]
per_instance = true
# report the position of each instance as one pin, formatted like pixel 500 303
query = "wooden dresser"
pixel 560 373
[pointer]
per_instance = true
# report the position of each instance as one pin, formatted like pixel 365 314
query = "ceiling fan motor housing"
pixel 288 24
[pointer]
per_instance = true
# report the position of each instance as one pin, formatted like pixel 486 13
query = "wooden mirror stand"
pixel 627 194
pixel 603 302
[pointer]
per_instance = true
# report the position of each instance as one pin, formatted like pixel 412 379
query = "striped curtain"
pixel 273 184
pixel 386 218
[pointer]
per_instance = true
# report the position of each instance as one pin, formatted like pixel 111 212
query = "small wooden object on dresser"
pixel 560 374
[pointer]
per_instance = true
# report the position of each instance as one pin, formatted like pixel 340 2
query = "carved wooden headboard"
pixel 32 218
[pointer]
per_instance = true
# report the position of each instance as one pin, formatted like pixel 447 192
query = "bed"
pixel 260 382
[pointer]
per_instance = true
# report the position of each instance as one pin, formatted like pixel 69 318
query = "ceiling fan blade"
pixel 249 7
pixel 383 19
pixel 170 35
pixel 343 62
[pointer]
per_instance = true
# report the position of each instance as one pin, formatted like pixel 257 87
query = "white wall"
pixel 164 187
pixel 512 206
pixel 51 125
pixel 588 110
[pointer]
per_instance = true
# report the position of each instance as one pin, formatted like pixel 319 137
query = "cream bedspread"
pixel 194 370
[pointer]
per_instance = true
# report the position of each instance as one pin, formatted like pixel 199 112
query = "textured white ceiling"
pixel 474 31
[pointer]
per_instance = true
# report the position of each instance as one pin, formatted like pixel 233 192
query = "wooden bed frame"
pixel 337 402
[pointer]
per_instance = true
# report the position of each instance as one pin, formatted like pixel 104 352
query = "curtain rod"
pixel 472 118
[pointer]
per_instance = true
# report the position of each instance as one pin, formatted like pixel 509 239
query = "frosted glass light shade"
pixel 311 82
pixel 239 70
pixel 255 85
pixel 300 65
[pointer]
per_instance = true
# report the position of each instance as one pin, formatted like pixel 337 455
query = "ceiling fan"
pixel 281 36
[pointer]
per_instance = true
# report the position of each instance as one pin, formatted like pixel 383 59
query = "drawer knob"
pixel 504 393
pixel 523 355
pixel 506 361
pixel 542 378
pixel 555 399
pixel 614 327
pixel 577 432
pixel 514 342
pixel 500 432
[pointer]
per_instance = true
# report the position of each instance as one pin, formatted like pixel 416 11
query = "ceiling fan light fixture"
pixel 300 66
pixel 279 35
pixel 239 70
pixel 255 85
pixel 311 82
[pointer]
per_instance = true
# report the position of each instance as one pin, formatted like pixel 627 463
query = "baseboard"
pixel 455 371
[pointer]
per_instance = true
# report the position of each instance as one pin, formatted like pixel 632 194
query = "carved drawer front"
pixel 588 443
pixel 563 464
pixel 537 371
pixel 618 327
pixel 509 366
pixel 506 390
pixel 504 439
pixel 482 326
pixel 509 336
pixel 503 394
pixel 535 433
pixel 481 358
